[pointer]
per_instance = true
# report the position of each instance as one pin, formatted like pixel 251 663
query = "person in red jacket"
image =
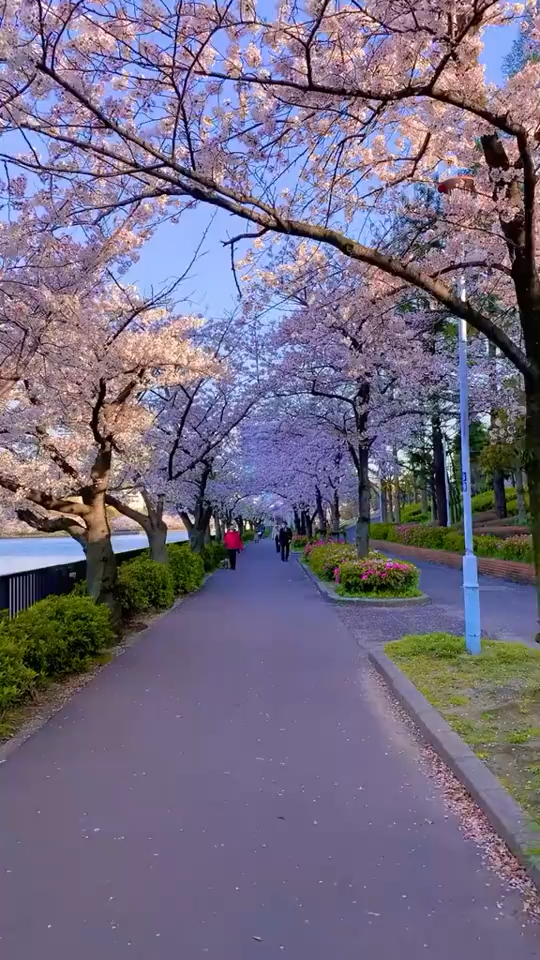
pixel 233 544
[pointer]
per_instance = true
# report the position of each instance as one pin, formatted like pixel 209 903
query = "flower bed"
pixel 299 542
pixel 377 577
pixel 373 576
pixel 517 548
pixel 324 555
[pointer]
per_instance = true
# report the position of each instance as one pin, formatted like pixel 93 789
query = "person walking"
pixel 275 534
pixel 233 545
pixel 285 537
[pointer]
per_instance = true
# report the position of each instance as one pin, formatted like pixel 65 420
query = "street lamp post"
pixel 471 593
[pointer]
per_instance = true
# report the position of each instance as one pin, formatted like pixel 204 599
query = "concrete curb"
pixel 329 593
pixel 506 817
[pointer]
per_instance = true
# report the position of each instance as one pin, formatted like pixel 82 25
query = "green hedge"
pixel 441 538
pixel 187 568
pixel 412 513
pixel 61 635
pixel 486 501
pixel 144 585
pixel 212 555
pixel 57 636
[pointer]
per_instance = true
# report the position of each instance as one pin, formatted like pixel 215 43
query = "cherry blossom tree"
pixel 81 404
pixel 310 120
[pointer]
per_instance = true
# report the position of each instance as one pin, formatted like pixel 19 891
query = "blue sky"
pixel 211 286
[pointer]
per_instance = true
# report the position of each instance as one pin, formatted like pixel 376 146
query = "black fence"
pixel 18 591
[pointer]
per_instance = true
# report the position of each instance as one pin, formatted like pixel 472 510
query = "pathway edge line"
pixel 505 815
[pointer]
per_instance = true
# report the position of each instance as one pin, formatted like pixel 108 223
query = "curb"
pixel 328 592
pixel 505 815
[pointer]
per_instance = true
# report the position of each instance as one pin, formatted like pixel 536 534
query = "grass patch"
pixel 492 701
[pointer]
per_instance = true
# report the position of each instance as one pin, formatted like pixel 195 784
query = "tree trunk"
pixel 520 494
pixel 439 484
pixel 397 511
pixel 240 524
pixel 424 498
pixel 499 494
pixel 532 440
pixel 384 503
pixel 100 559
pixel 362 523
pixel 335 514
pixel 297 528
pixel 157 541
pixel 321 519
pixel 390 500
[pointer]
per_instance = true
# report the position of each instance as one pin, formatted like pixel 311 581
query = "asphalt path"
pixel 235 787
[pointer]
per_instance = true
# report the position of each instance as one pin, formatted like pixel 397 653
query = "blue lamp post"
pixel 471 592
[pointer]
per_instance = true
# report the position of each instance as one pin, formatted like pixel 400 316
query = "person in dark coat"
pixel 285 537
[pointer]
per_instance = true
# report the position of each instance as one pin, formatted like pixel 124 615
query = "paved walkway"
pixel 508 610
pixel 233 787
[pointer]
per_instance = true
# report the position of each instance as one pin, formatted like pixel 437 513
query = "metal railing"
pixel 18 591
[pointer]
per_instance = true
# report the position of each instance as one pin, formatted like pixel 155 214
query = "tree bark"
pixel 335 514
pixel 499 495
pixel 152 523
pixel 319 512
pixel 520 494
pixel 384 502
pixel 532 441
pixel 439 485
pixel 362 523
pixel 100 559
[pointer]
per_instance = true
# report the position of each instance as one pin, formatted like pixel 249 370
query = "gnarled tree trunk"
pixel 362 523
pixel 335 514
pixel 152 523
pixel 520 495
pixel 439 468
pixel 319 512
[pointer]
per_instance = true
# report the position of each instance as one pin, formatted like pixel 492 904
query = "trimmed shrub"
pixel 143 585
pixel 486 546
pixel 481 502
pixel 412 513
pixel 212 554
pixel 59 635
pixel 516 548
pixel 16 679
pixel 248 536
pixel 380 531
pixel 377 576
pixel 455 542
pixel 325 557
pixel 186 567
pixel 299 542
